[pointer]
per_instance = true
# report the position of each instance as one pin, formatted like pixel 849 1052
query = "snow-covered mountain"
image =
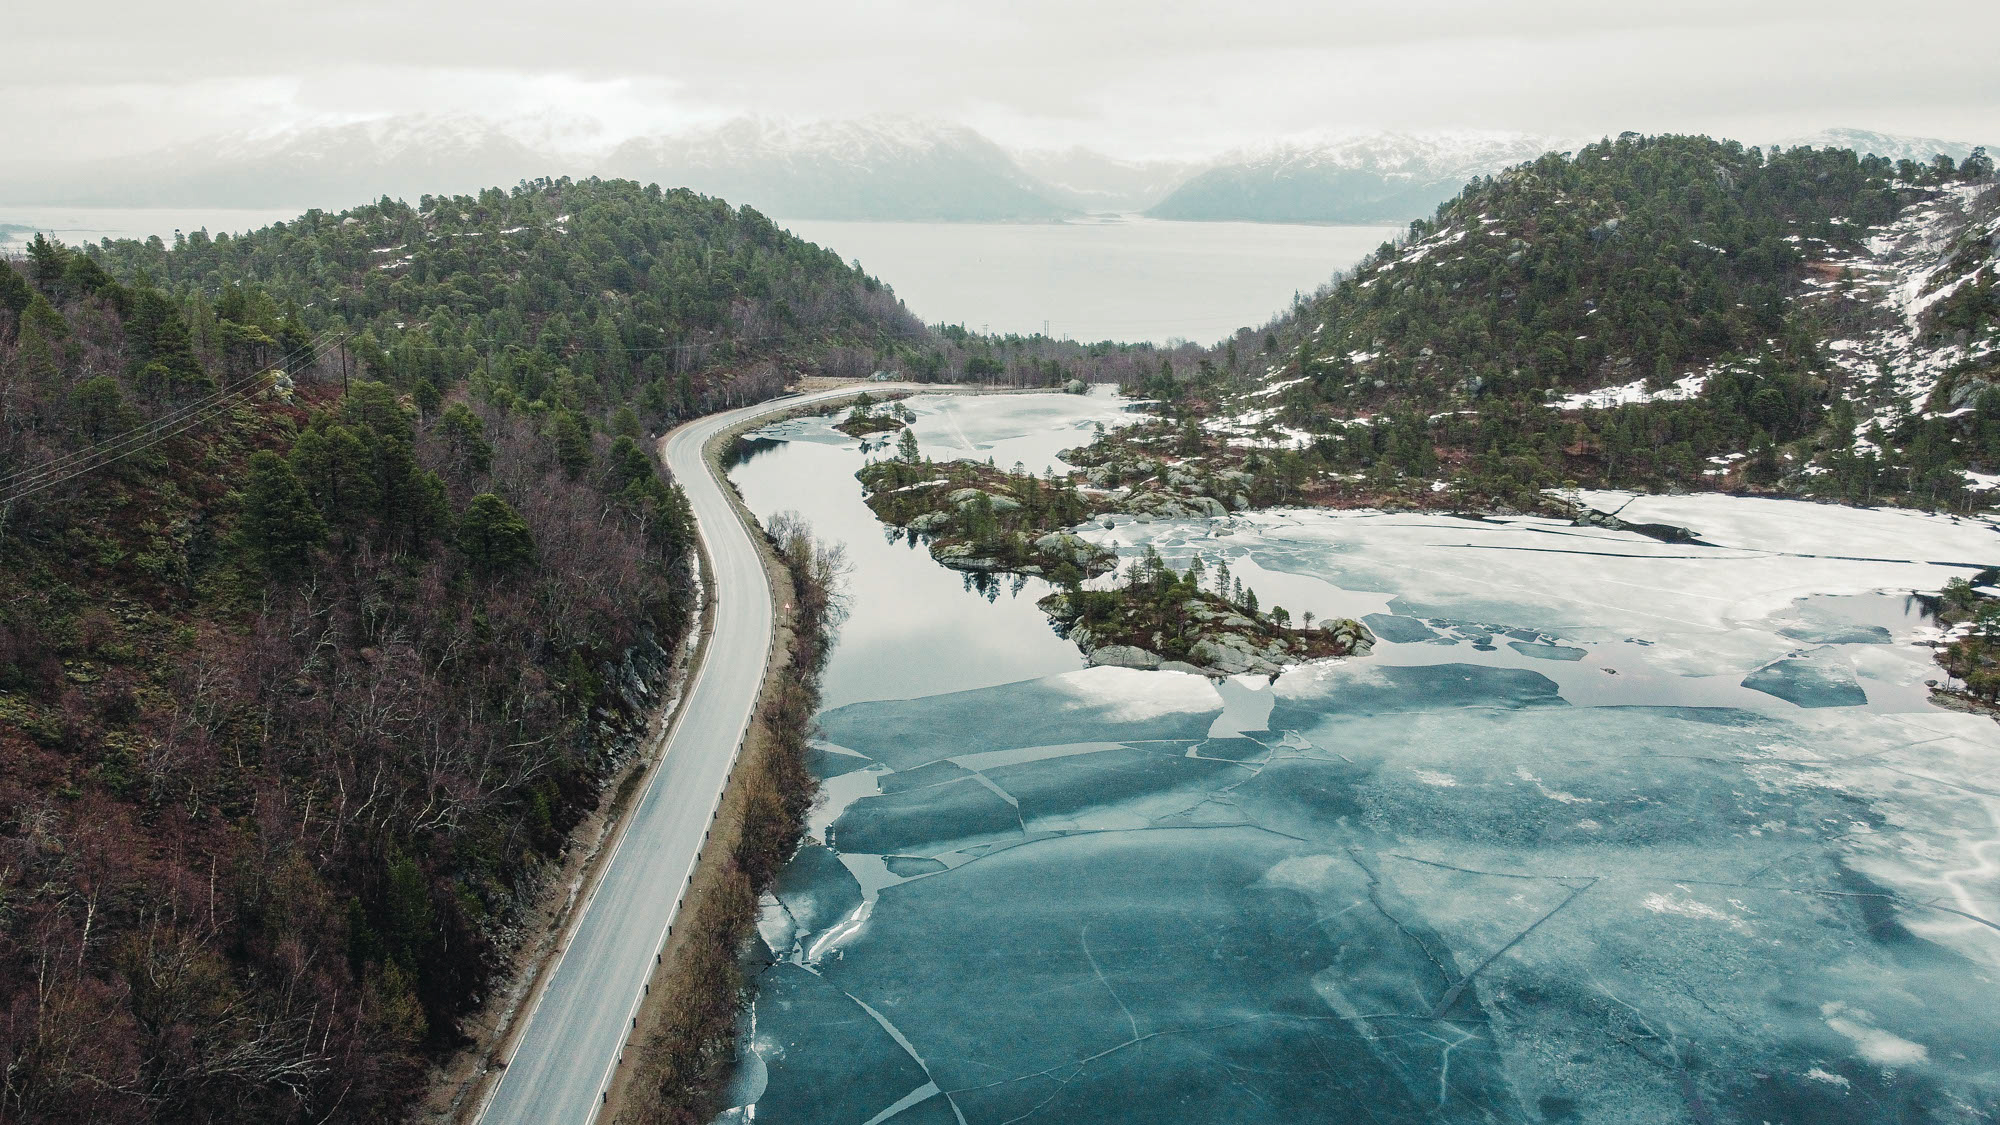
pixel 875 168
pixel 1374 177
pixel 1895 147
pixel 323 165
pixel 879 168
pixel 1091 181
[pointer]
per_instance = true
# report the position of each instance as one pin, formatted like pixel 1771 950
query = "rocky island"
pixel 862 420
pixel 979 518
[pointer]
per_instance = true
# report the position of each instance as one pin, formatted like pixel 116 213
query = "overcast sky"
pixel 1159 77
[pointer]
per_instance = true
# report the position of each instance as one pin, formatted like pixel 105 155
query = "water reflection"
pixel 915 628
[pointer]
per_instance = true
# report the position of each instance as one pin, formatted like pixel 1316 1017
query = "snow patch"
pixel 1634 393
pixel 1872 1043
pixel 1692 908
pixel 1132 694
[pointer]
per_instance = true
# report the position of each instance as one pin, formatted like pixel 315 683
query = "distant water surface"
pixel 77 225
pixel 1108 278
pixel 1118 278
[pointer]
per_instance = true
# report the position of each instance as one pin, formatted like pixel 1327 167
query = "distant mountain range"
pixel 1384 177
pixel 321 166
pixel 1920 149
pixel 883 168
pixel 878 168
pixel 1093 182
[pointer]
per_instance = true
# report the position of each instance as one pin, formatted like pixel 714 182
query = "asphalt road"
pixel 565 1055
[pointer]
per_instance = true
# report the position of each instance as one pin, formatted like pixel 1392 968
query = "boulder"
pixel 1208 506
pixel 963 496
pixel 1071 548
pixel 959 556
pixel 931 522
pixel 1229 654
pixel 1181 666
pixel 1124 656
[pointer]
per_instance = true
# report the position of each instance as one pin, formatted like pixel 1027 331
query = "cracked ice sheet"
pixel 1699 610
pixel 1030 428
pixel 1459 883
pixel 1797 527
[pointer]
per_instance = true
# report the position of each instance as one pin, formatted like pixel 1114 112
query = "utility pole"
pixel 343 364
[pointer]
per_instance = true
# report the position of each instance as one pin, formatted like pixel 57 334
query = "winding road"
pixel 566 1053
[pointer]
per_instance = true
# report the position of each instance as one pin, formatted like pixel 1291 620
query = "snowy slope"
pixel 1091 181
pixel 1354 178
pixel 1890 145
pixel 876 168
pixel 328 165
pixel 1901 359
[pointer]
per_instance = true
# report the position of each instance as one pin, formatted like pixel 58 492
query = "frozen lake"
pixel 1606 830
pixel 1107 278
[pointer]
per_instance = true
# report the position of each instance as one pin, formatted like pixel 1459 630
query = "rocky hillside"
pixel 1671 312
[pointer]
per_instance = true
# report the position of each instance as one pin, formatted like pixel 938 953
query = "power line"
pixel 219 408
pixel 12 479
pixel 143 438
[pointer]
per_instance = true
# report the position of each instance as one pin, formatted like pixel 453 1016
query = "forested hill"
pixel 1646 312
pixel 305 675
pixel 1638 258
pixel 635 293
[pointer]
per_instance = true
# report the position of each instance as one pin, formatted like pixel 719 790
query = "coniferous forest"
pixel 332 557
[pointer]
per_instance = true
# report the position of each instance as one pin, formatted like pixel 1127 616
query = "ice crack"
pixel 1084 937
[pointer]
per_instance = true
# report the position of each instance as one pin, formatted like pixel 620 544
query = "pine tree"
pixel 14 292
pixel 493 536
pixel 572 443
pixel 465 435
pixel 162 350
pixel 38 353
pixel 625 423
pixel 100 408
pixel 280 525
pixel 46 261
